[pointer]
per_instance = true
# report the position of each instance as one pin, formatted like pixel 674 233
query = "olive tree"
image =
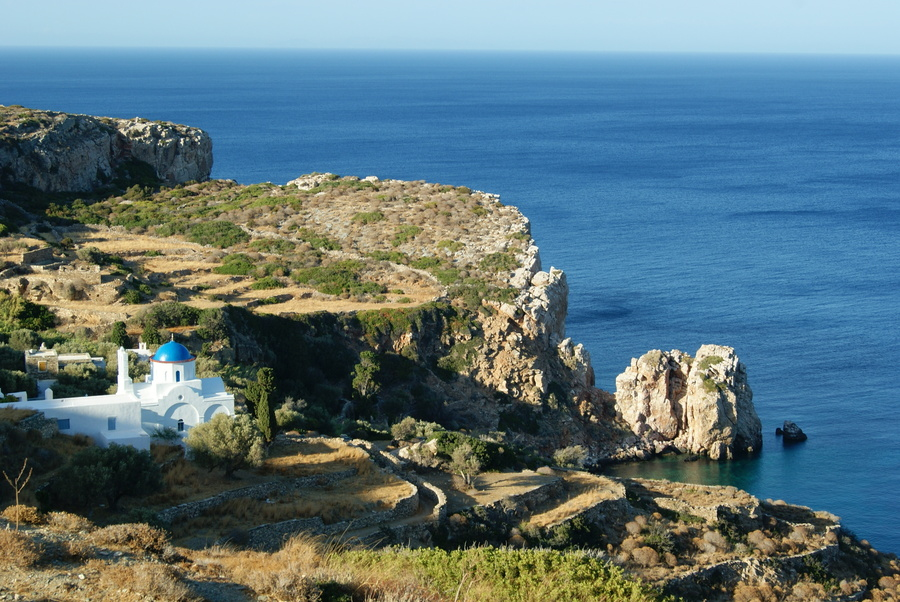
pixel 226 442
pixel 110 473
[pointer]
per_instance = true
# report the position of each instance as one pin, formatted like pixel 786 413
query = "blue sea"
pixel 750 201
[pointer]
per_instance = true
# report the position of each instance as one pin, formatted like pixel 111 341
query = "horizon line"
pixel 768 53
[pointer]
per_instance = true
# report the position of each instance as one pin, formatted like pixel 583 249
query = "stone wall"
pixel 37 256
pixel 273 536
pixel 47 427
pixel 265 490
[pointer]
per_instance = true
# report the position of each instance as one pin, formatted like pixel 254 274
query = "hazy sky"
pixel 817 26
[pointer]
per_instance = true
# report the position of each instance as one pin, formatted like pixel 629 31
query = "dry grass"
pixel 131 537
pixel 26 515
pixel 583 490
pixel 18 549
pixel 185 482
pixel 489 487
pixel 14 415
pixel 286 574
pixel 66 522
pixel 144 581
pixel 345 500
pixel 306 458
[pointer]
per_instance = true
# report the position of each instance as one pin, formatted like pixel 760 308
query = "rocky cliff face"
pixel 56 152
pixel 701 405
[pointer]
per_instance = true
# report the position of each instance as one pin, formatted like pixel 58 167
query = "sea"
pixel 743 200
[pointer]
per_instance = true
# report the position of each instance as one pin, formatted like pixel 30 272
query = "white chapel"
pixel 171 397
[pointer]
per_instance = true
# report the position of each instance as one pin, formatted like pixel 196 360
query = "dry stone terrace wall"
pixel 194 509
pixel 273 536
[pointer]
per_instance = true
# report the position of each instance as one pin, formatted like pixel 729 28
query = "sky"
pixel 755 26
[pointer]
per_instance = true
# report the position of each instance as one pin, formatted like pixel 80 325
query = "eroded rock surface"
pixel 701 405
pixel 56 152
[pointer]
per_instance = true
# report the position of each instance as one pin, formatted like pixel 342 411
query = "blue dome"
pixel 172 352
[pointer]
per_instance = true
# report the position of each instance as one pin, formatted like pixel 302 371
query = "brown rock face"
pixel 700 405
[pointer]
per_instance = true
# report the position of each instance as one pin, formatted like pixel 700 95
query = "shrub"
pixel 109 473
pixel 24 339
pixel 710 360
pixel 318 241
pixel 572 456
pixel 169 314
pixel 410 428
pixel 218 234
pixel 267 283
pixel 135 537
pixel 236 264
pixel 22 514
pixel 498 262
pixel 68 522
pixel 227 443
pixel 368 217
pixel 18 550
pixel 131 297
pixel 404 234
pixel 341 277
pixel 152 580
pixel 17 312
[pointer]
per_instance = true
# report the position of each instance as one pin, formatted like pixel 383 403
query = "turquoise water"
pixel 741 200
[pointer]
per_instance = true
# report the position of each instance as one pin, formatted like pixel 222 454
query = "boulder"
pixel 791 433
pixel 700 405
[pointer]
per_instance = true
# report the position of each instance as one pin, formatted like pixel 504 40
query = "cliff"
pixel 699 405
pixel 493 355
pixel 56 152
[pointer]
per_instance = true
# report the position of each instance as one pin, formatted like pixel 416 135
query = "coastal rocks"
pixel 791 433
pixel 177 153
pixel 701 405
pixel 60 152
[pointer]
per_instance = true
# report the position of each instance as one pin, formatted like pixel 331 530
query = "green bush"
pixel 461 356
pixel 273 245
pixel 492 456
pixel 498 262
pixel 506 575
pixel 318 241
pixel 108 473
pixel 405 234
pixel 369 217
pixel 341 277
pixel 132 297
pixel 169 314
pixel 217 233
pixel 267 283
pixel 236 264
pixel 710 360
pixel 17 312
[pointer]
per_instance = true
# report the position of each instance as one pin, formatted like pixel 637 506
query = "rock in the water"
pixel 701 405
pixel 791 432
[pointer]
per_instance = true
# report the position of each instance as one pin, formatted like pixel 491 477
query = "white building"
pixel 171 397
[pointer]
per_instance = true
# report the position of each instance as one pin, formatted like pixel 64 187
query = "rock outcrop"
pixel 791 433
pixel 56 152
pixel 700 405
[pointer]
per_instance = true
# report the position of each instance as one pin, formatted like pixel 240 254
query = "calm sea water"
pixel 741 200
